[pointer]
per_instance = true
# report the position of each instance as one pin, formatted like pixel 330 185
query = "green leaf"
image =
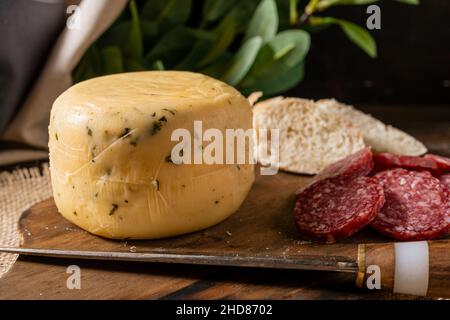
pixel 167 14
pixel 358 35
pixel 133 65
pixel 117 35
pixel 149 30
pixel 413 2
pixel 293 12
pixel 219 67
pixel 280 84
pixel 172 48
pixel 277 57
pixel 324 4
pixel 242 61
pixel 264 22
pixel 191 61
pixel 241 13
pixel 215 9
pixel 112 60
pixel 133 47
pixel 225 32
pixel 158 65
pixel 90 65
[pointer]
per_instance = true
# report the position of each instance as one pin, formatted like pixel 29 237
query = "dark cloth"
pixel 28 29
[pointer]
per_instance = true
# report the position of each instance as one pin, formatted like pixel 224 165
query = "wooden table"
pixel 156 281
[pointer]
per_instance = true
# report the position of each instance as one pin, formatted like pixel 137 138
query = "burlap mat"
pixel 19 190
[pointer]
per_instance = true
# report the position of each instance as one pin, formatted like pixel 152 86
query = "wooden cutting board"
pixel 262 228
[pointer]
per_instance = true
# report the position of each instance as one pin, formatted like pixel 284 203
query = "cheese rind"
pixel 110 141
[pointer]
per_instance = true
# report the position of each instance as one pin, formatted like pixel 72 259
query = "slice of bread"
pixel 311 138
pixel 381 137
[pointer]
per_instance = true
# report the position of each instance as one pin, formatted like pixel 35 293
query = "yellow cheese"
pixel 110 138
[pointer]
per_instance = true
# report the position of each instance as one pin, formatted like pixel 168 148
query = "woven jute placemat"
pixel 19 190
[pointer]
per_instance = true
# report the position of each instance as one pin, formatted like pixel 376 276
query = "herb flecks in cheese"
pixel 157 125
pixel 172 112
pixel 125 132
pixel 113 209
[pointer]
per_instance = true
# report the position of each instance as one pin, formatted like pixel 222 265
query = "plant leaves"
pixel 133 65
pixel 149 32
pixel 264 22
pixel 133 47
pixel 241 13
pixel 191 61
pixel 413 2
pixel 284 14
pixel 158 65
pixel 215 9
pixel 358 35
pixel 277 57
pixel 172 48
pixel 225 32
pixel 242 61
pixel 324 4
pixel 219 67
pixel 117 35
pixel 112 60
pixel 90 65
pixel 167 14
pixel 293 12
pixel 281 83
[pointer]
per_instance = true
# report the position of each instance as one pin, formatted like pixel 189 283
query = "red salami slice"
pixel 359 164
pixel 445 180
pixel 442 163
pixel 416 206
pixel 385 161
pixel 334 209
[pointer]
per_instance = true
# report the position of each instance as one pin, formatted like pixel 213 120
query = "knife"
pixel 418 268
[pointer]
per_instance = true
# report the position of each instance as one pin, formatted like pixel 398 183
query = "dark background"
pixel 413 63
pixel 412 67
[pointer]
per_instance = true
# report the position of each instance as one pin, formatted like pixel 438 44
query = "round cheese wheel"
pixel 110 146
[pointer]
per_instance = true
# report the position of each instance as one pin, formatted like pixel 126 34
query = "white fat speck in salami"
pixel 416 208
pixel 334 209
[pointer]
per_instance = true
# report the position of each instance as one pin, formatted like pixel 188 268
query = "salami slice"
pixel 385 161
pixel 356 165
pixel 359 164
pixel 416 206
pixel 442 163
pixel 445 180
pixel 334 209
